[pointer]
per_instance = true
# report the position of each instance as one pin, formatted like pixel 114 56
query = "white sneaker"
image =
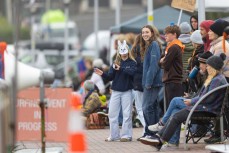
pixel 155 127
pixel 169 147
pixel 102 113
pixel 109 139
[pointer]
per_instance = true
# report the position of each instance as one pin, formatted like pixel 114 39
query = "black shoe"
pixel 213 140
pixel 153 141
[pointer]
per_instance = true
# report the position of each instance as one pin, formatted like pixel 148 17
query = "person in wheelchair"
pixel 179 107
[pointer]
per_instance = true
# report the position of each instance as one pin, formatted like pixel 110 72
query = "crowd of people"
pixel 194 61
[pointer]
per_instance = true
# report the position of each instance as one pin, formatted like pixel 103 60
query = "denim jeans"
pixel 138 98
pixel 175 105
pixel 118 100
pixel 150 108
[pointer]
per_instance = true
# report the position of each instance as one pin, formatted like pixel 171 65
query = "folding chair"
pixel 195 117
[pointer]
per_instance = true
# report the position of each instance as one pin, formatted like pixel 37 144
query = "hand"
pixel 187 102
pixel 162 59
pixel 186 95
pixel 98 71
pixel 116 66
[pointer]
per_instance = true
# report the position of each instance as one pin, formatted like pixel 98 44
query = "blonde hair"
pixel 211 74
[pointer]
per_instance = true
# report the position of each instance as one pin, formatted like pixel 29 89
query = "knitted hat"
pixel 98 63
pixel 203 58
pixel 216 62
pixel 206 24
pixel 89 85
pixel 196 37
pixel 185 27
pixel 219 26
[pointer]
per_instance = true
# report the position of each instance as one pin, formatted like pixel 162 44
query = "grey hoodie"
pixel 185 38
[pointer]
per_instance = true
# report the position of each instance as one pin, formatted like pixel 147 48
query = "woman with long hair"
pixel 150 50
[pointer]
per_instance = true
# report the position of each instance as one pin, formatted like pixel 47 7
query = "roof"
pixel 163 16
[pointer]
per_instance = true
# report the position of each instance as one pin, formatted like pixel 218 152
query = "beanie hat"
pixel 206 24
pixel 216 62
pixel 196 37
pixel 185 27
pixel 219 26
pixel 98 63
pixel 89 85
pixel 203 57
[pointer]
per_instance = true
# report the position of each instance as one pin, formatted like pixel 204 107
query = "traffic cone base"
pixel 78 142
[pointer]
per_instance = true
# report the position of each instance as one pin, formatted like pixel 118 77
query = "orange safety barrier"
pixel 77 139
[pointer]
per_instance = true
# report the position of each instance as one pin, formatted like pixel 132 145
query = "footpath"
pixel 96 144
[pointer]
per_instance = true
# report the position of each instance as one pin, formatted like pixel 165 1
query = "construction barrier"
pixel 56 114
pixel 77 139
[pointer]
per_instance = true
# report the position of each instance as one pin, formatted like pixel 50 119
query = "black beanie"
pixel 219 26
pixel 203 57
pixel 217 61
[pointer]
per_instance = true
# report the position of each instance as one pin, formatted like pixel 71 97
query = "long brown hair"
pixel 155 37
pixel 136 46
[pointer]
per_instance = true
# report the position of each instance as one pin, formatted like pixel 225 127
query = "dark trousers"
pixel 150 108
pixel 173 124
pixel 172 90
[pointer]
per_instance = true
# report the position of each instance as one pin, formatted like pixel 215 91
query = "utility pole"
pixel 117 13
pixel 150 17
pixel 201 11
pixel 66 34
pixel 9 11
pixel 96 26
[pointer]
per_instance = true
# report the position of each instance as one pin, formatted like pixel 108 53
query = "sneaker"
pixel 213 140
pixel 125 139
pixel 102 113
pixel 109 139
pixel 169 147
pixel 152 140
pixel 155 127
pixel 138 139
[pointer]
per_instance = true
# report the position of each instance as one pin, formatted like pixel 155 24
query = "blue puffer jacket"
pixel 152 73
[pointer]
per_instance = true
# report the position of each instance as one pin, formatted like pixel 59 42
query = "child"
pixel 121 72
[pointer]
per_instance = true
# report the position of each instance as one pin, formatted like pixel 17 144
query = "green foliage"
pixel 6 31
pixel 216 15
pixel 24 34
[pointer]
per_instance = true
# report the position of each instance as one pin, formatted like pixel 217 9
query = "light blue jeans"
pixel 175 105
pixel 138 98
pixel 118 100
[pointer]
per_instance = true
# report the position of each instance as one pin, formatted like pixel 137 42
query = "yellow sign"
pixel 150 18
pixel 187 5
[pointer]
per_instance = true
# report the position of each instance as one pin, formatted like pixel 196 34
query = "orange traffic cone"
pixel 77 137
